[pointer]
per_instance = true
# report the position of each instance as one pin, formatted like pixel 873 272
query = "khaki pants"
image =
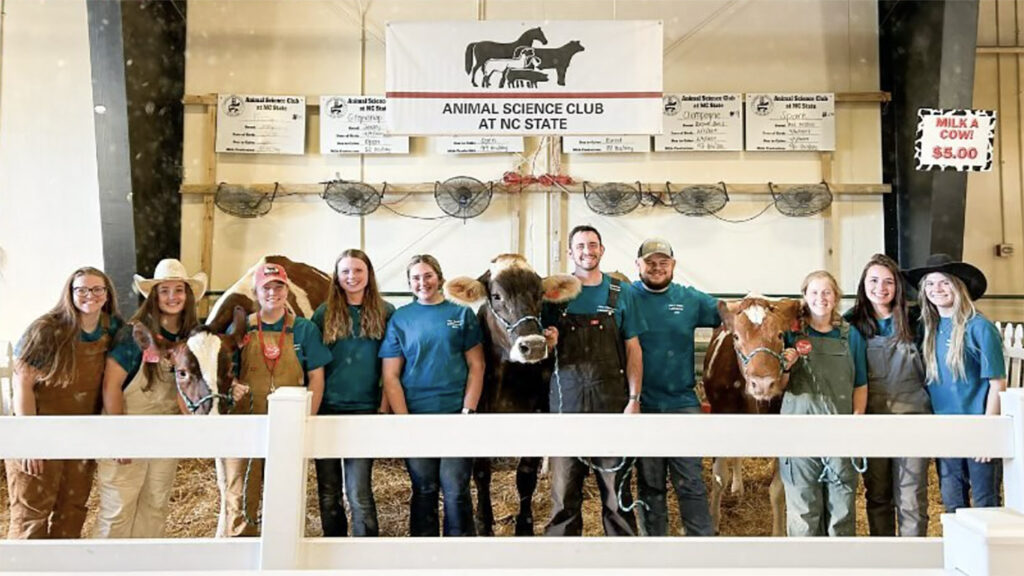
pixel 134 497
pixel 231 481
pixel 52 504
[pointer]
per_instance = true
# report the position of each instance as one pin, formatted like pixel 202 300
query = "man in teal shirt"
pixel 672 312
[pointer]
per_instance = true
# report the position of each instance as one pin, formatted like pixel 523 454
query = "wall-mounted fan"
pixel 463 196
pixel 242 202
pixel 802 199
pixel 612 198
pixel 698 199
pixel 351 198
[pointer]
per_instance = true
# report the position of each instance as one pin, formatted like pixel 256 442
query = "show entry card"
pixel 261 124
pixel 605 144
pixel 701 122
pixel 791 122
pixel 355 125
pixel 478 144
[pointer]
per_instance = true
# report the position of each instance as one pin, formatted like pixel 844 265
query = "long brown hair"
pixel 149 316
pixel 337 320
pixel 862 315
pixel 49 343
pixel 963 311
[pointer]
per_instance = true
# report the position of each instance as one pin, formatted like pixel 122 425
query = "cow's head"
pixel 757 325
pixel 514 293
pixel 202 364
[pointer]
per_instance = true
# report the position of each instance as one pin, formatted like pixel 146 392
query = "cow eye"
pixel 182 374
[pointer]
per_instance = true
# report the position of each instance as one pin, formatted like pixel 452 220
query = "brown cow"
pixel 517 367
pixel 307 288
pixel 743 375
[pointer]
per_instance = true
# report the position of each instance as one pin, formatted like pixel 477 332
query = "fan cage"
pixel 613 198
pixel 463 197
pixel 242 202
pixel 698 199
pixel 351 198
pixel 802 200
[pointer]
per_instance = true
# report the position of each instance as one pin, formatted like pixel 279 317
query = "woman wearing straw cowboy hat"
pixel 964 370
pixel 139 379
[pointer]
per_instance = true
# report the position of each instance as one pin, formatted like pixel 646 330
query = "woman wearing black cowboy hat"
pixel 965 372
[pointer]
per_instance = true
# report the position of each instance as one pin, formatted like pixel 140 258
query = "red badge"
pixel 803 347
pixel 271 352
pixel 150 356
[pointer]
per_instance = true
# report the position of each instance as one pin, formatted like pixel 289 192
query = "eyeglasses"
pixel 83 291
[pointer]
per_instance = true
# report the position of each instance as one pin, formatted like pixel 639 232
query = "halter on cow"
pixel 517 368
pixel 748 381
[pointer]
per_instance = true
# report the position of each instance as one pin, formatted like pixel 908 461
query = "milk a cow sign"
pixel 514 78
pixel 959 140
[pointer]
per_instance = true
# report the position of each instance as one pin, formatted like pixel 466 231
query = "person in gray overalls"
pixel 896 489
pixel 827 374
pixel 599 369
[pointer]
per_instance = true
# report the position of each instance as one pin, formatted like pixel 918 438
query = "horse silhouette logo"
pixel 336 108
pixel 233 106
pixel 763 105
pixel 518 64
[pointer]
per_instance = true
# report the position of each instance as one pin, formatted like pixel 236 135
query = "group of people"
pixel 620 348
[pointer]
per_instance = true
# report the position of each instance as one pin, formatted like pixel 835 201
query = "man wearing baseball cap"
pixel 672 312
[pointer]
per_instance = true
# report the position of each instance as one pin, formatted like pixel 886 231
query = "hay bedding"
pixel 195 502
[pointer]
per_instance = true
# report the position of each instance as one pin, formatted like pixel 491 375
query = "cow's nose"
pixel 524 347
pixel 761 387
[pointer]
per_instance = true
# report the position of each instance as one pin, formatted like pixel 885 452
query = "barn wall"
pixel 49 203
pixel 995 199
pixel 313 48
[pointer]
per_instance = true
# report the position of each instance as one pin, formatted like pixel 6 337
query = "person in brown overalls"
pixel 282 350
pixel 599 369
pixel 58 371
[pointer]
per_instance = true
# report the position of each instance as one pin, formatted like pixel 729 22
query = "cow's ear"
pixel 464 290
pixel 790 308
pixel 560 288
pixel 485 279
pixel 727 311
pixel 142 336
pixel 238 326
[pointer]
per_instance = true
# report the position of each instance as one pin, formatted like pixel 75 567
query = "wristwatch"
pixel 468 411
pixel 634 398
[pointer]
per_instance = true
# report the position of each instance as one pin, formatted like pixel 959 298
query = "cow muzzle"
pixel 528 349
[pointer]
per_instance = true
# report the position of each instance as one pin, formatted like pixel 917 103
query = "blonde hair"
pixel 338 322
pixel 963 311
pixel 429 261
pixel 805 312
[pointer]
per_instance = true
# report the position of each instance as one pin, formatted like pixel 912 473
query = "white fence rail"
pixel 1013 350
pixel 287 437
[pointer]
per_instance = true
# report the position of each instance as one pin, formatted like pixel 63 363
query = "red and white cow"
pixel 743 375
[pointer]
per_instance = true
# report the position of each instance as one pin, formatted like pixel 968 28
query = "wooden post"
pixel 831 215
pixel 284 484
pixel 209 210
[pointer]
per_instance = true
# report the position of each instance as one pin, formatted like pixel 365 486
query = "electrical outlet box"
pixel 1004 250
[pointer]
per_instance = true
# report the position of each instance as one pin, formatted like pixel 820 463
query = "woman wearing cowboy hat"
pixel 134 494
pixel 963 356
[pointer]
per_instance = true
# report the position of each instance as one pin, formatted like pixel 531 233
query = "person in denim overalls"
pixel 896 489
pixel 829 378
pixel 58 371
pixel 964 367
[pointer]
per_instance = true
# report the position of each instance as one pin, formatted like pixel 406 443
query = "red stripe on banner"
pixel 523 95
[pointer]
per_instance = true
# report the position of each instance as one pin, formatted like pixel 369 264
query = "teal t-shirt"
pixel 594 299
pixel 309 345
pixel 128 355
pixel 983 360
pixel 858 349
pixel 433 340
pixel 115 326
pixel 671 317
pixel 352 377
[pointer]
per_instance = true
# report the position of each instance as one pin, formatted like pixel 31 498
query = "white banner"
pixel 791 122
pixel 512 77
pixel 355 125
pixel 958 140
pixel 261 124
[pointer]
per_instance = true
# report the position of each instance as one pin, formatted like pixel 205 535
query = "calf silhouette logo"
pixel 518 64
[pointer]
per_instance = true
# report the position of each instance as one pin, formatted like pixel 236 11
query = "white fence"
pixel 287 437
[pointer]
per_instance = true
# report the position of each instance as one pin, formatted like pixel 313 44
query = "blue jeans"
pixel 430 476
pixel 357 485
pixel 687 483
pixel 962 478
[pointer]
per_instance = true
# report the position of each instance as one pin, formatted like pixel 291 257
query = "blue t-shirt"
pixel 308 344
pixel 858 349
pixel 433 340
pixel 352 378
pixel 128 355
pixel 983 360
pixel 671 318
pixel 594 299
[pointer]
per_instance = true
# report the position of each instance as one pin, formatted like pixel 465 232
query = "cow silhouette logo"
pixel 763 105
pixel 233 106
pixel 336 108
pixel 670 104
pixel 518 64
